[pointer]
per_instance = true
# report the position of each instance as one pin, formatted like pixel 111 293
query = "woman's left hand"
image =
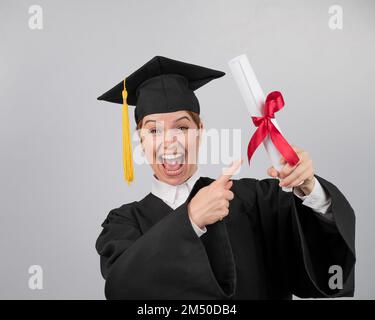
pixel 292 176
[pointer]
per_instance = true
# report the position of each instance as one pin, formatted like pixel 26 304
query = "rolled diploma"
pixel 254 98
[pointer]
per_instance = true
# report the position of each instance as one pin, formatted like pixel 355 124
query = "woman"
pixel 195 237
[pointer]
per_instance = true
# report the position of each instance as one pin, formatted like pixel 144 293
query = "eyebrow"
pixel 149 121
pixel 184 117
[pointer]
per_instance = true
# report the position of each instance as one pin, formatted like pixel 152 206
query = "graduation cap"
pixel 160 85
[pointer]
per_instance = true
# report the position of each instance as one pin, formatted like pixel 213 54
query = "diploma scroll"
pixel 254 99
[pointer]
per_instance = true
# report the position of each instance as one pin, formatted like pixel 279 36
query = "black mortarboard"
pixel 161 85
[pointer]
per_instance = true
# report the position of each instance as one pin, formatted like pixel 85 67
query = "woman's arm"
pixel 305 245
pixel 168 261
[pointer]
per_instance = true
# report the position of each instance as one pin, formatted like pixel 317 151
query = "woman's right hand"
pixel 211 203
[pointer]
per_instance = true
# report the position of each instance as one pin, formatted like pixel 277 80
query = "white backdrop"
pixel 61 149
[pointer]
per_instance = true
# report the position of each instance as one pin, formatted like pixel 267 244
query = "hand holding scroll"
pixel 300 176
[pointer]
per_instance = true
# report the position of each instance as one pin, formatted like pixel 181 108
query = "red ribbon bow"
pixel 274 102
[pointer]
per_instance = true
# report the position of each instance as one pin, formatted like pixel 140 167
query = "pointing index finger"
pixel 230 171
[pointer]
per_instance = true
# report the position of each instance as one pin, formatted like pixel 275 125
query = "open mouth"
pixel 172 163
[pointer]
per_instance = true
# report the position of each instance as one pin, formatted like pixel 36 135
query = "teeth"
pixel 171 156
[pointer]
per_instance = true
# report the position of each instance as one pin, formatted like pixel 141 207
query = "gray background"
pixel 61 152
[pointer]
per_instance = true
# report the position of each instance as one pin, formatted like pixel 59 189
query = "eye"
pixel 154 131
pixel 182 128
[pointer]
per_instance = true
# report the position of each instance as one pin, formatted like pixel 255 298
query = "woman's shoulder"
pixel 123 213
pixel 131 209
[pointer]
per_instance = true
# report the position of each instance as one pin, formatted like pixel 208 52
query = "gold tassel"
pixel 127 146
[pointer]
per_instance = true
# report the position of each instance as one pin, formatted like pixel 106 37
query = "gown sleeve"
pixel 168 261
pixel 302 245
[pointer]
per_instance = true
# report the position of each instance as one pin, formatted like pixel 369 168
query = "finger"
pixel 272 172
pixel 230 171
pixel 223 204
pixel 300 153
pixel 305 175
pixel 297 150
pixel 287 170
pixel 229 184
pixel 295 174
pixel 282 160
pixel 228 195
pixel 301 179
pixel 291 177
pixel 224 211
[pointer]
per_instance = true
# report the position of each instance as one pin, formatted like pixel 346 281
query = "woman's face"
pixel 171 143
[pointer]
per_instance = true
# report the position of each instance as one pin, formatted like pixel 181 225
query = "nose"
pixel 169 137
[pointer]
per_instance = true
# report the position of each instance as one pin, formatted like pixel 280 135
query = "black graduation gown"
pixel 270 246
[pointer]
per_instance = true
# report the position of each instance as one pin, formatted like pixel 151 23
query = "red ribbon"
pixel 274 102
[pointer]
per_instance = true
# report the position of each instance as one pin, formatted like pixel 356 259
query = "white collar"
pixel 168 192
